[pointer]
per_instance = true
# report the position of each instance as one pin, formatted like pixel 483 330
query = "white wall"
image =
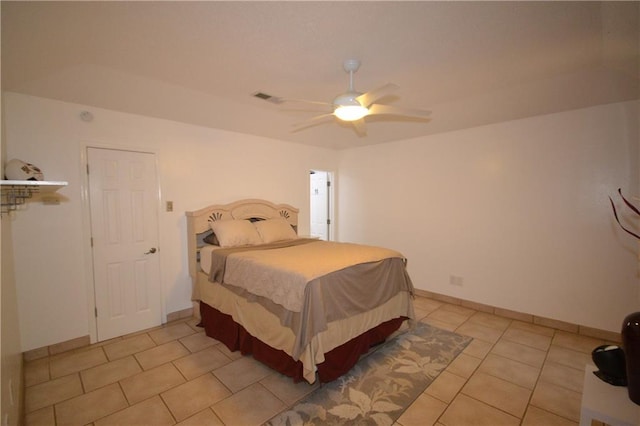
pixel 197 166
pixel 519 210
pixel 11 367
pixel 11 371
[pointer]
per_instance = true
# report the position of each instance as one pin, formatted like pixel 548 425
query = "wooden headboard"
pixel 198 222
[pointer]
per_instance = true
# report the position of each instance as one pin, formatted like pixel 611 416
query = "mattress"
pixel 205 257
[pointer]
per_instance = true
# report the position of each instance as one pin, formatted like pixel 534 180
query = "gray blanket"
pixel 334 280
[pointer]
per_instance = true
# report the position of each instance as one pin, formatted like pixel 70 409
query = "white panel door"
pixel 319 197
pixel 123 192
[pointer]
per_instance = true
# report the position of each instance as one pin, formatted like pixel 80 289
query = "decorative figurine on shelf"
pixel 19 170
pixel 631 326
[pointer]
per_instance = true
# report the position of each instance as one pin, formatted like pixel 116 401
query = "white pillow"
pixel 272 230
pixel 232 233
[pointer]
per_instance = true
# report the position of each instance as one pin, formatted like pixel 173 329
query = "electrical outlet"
pixel 455 280
pixel 169 206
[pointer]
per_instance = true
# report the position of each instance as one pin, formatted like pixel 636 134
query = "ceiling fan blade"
pixel 302 101
pixel 379 109
pixel 312 122
pixel 361 128
pixel 371 96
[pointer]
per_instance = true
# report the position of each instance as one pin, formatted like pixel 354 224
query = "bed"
pixel 304 307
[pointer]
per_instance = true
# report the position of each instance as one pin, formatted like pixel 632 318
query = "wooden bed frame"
pixel 223 327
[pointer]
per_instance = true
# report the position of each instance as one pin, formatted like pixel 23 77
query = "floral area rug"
pixel 382 384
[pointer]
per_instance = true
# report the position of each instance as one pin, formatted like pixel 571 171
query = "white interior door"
pixel 319 196
pixel 123 192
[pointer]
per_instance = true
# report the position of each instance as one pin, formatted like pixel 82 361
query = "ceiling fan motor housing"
pixel 347 99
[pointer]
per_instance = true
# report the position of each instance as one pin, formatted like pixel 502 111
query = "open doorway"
pixel 320 204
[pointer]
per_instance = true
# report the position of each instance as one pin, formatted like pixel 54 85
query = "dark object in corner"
pixel 610 361
pixel 631 344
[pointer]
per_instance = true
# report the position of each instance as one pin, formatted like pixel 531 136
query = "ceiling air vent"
pixel 268 98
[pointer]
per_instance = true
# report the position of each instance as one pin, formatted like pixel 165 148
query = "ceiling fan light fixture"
pixel 352 106
pixel 350 112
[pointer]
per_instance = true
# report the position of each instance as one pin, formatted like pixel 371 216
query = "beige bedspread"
pixel 259 322
pixel 312 283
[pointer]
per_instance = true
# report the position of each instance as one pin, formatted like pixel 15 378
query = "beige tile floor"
pixel 513 373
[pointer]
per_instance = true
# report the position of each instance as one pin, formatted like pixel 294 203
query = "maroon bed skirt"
pixel 338 361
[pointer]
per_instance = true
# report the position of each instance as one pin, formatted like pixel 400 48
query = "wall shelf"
pixel 17 192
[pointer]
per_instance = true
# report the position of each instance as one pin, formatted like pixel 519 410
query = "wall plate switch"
pixel 169 206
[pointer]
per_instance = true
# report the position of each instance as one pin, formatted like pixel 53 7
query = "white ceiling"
pixel 470 63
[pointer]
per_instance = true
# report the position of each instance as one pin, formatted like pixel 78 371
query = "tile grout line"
pixel 466 379
pixel 133 355
pixel 468 320
pixel 476 372
pixel 535 386
pixel 169 409
pixel 540 380
pixel 521 419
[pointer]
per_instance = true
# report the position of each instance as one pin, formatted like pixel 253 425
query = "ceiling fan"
pixel 352 106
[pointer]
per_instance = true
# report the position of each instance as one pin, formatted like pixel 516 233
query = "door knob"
pixel 151 250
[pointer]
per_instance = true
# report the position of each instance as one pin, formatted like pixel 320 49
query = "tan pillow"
pixel 232 233
pixel 272 230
